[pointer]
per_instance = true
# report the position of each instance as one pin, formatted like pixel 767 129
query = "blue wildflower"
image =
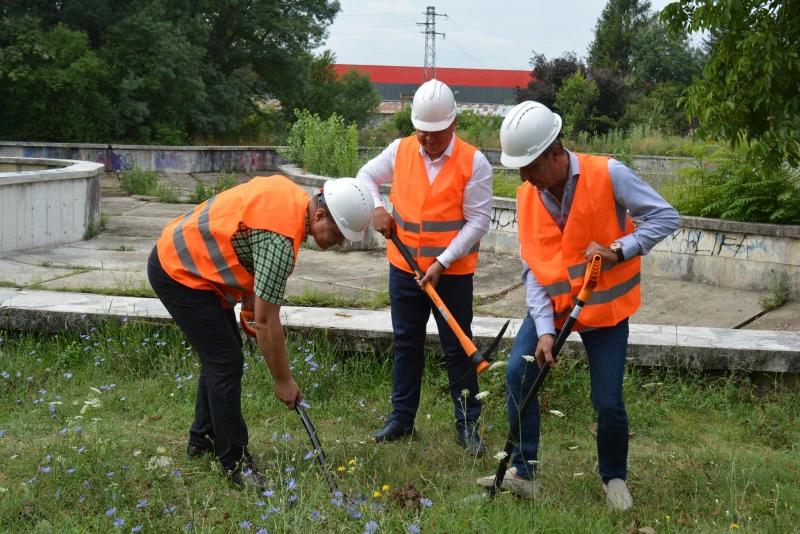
pixel 309 455
pixel 119 522
pixel 111 512
pixel 289 469
pixel 304 404
pixel 169 510
pixel 46 469
pixel 268 493
pixel 371 527
pixel 136 529
pixel 110 474
pixel 291 483
pixel 141 503
pixel 82 499
pixel 286 437
pixel 245 524
pixel 175 473
pixel 260 503
pixel 292 498
pixel 427 502
pixel 414 529
pixel 71 470
pixel 81 449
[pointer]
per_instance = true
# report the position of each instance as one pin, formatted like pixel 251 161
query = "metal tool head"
pixel 485 356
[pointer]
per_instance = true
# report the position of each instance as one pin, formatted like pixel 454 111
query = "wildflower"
pixel 78 428
pixel 111 512
pixel 500 455
pixel 82 499
pixel 136 529
pixel 141 503
pixel 189 526
pixel 46 469
pixel 268 493
pixel 309 455
pixel 351 462
pixel 245 524
pixel 291 483
pixel 385 487
pixel 376 494
pixel 529 358
pixel 340 469
pixel 2 433
pixel 734 526
pixel 161 450
pixel 286 437
pixel 175 473
pixel 304 404
pixel 427 502
pixel 262 530
pixel 292 498
pixel 337 502
pixel 81 450
pixel 62 431
pixel 289 469
pixel 465 393
pixel 558 413
pixel 110 474
pixel 260 503
pixel 71 470
pixel 314 515
pixel 119 522
pixel 414 529
pixel 482 395
pixel 169 510
pixel 371 527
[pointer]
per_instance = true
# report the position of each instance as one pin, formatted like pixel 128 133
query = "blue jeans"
pixel 606 349
pixel 411 308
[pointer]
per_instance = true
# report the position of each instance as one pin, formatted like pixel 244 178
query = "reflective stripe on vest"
pixel 214 253
pixel 407 226
pixel 432 252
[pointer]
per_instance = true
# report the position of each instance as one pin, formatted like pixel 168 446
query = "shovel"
pixel 589 283
pixel 478 359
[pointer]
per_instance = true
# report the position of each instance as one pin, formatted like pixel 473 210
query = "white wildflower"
pixel 159 462
pixel 529 358
pixel 96 390
pixel 498 365
pixel 482 395
pixel 572 448
pixel 533 462
pixel 94 402
pixel 578 474
pixel 137 452
pixel 500 455
pixel 465 393
pixel 558 413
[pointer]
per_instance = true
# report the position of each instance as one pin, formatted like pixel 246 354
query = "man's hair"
pixel 319 202
pixel 556 142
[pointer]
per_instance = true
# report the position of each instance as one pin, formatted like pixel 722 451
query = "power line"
pixel 430 41
pixel 469 56
pixel 376 14
pixel 476 42
pixel 370 26
pixel 372 33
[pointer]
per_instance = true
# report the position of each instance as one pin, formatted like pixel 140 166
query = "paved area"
pixel 115 262
pixel 650 345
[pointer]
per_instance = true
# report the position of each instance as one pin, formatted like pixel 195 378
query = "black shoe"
pixel 248 477
pixel 469 439
pixel 392 431
pixel 195 453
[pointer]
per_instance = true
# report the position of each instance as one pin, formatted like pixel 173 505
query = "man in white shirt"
pixel 442 201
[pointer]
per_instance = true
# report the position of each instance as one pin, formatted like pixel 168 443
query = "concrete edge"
pixel 76 170
pixel 723 225
pixel 710 349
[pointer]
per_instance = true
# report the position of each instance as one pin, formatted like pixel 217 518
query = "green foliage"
pixel 401 121
pixel 324 147
pixel 576 101
pixel 203 191
pixel 95 226
pixel 780 290
pixel 505 184
pixel 660 56
pixel 616 32
pixel 478 129
pixel 53 86
pixel 139 181
pixel 727 186
pixel 748 93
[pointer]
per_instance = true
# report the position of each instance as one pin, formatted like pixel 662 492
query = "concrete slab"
pixel 78 256
pixel 117 244
pixel 664 302
pixel 160 211
pixel 102 279
pixel 496 275
pixel 22 274
pixel 117 205
pixel 126 225
pixel 354 270
pixel 787 317
pixel 650 345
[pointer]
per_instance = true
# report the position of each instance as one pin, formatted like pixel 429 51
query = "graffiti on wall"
pixel 504 219
pixel 733 245
pixel 170 160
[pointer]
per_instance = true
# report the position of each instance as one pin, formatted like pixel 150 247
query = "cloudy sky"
pixel 498 34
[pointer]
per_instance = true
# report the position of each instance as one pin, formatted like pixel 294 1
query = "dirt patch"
pixel 406 497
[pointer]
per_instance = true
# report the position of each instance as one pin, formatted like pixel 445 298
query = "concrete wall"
pixel 45 201
pixel 724 253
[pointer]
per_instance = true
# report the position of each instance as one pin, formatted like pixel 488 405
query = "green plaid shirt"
pixel 269 257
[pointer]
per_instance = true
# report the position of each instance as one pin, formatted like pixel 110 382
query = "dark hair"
pixel 319 202
pixel 556 142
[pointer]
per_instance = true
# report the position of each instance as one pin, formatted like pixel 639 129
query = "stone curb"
pixel 711 349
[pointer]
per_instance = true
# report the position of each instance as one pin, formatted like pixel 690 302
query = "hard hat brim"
pixel 349 234
pixel 432 126
pixel 517 162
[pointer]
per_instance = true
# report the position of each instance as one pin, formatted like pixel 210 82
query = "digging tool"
pixel 589 283
pixel 245 318
pixel 478 359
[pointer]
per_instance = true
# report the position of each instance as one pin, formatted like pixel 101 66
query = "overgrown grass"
pixel 145 182
pixel 505 184
pixel 314 297
pixel 780 290
pixel 706 454
pixel 203 192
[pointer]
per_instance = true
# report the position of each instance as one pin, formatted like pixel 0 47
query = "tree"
pixel 52 85
pixel 547 77
pixel 357 100
pixel 615 33
pixel 576 101
pixel 662 56
pixel 748 93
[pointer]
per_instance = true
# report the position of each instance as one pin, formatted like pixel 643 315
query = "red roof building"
pixel 472 86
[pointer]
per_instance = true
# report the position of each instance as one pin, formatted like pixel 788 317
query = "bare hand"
pixel 382 222
pixel 432 275
pixel 609 257
pixel 544 350
pixel 287 392
pixel 249 302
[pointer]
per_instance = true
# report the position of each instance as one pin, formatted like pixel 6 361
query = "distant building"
pixel 472 86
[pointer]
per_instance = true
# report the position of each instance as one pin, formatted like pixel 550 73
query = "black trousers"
pixel 214 333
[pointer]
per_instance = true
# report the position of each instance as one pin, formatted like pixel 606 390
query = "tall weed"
pixel 324 147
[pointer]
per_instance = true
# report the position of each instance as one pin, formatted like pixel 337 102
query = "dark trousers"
pixel 605 350
pixel 214 333
pixel 411 308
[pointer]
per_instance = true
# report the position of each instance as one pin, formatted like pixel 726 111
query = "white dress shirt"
pixel 476 205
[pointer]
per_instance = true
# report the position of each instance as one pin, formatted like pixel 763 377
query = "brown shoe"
pixel 247 476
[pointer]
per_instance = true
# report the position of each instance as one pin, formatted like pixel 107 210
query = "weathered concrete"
pixel 46 201
pixel 650 345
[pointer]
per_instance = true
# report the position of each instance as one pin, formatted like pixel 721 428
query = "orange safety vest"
pixel 195 249
pixel 428 216
pixel 555 257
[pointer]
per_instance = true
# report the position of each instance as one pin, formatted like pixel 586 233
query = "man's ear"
pixel 320 214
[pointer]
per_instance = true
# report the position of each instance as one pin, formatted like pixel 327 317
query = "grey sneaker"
pixel 527 489
pixel 617 495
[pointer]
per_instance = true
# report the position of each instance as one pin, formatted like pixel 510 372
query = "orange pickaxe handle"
pixel 245 318
pixel 469 347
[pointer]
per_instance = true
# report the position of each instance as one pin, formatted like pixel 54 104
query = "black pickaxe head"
pixel 485 355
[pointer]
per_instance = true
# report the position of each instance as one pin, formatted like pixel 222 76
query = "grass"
pixel 706 453
pixel 505 184
pixel 320 299
pixel 8 283
pixel 141 290
pixel 120 248
pixel 145 182
pixel 780 290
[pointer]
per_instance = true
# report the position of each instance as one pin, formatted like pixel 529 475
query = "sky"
pixel 479 34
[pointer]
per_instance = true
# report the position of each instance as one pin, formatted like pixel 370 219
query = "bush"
pixel 505 184
pixel 401 121
pixel 479 130
pixel 203 192
pixel 726 186
pixel 327 148
pixel 139 181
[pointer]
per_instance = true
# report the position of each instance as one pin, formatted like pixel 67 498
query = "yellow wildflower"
pixel 376 494
pixel 341 468
pixel 667 518
pixel 351 462
pixel 734 526
pixel 385 487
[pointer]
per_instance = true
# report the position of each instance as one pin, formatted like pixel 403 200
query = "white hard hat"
pixel 434 107
pixel 351 206
pixel 527 131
